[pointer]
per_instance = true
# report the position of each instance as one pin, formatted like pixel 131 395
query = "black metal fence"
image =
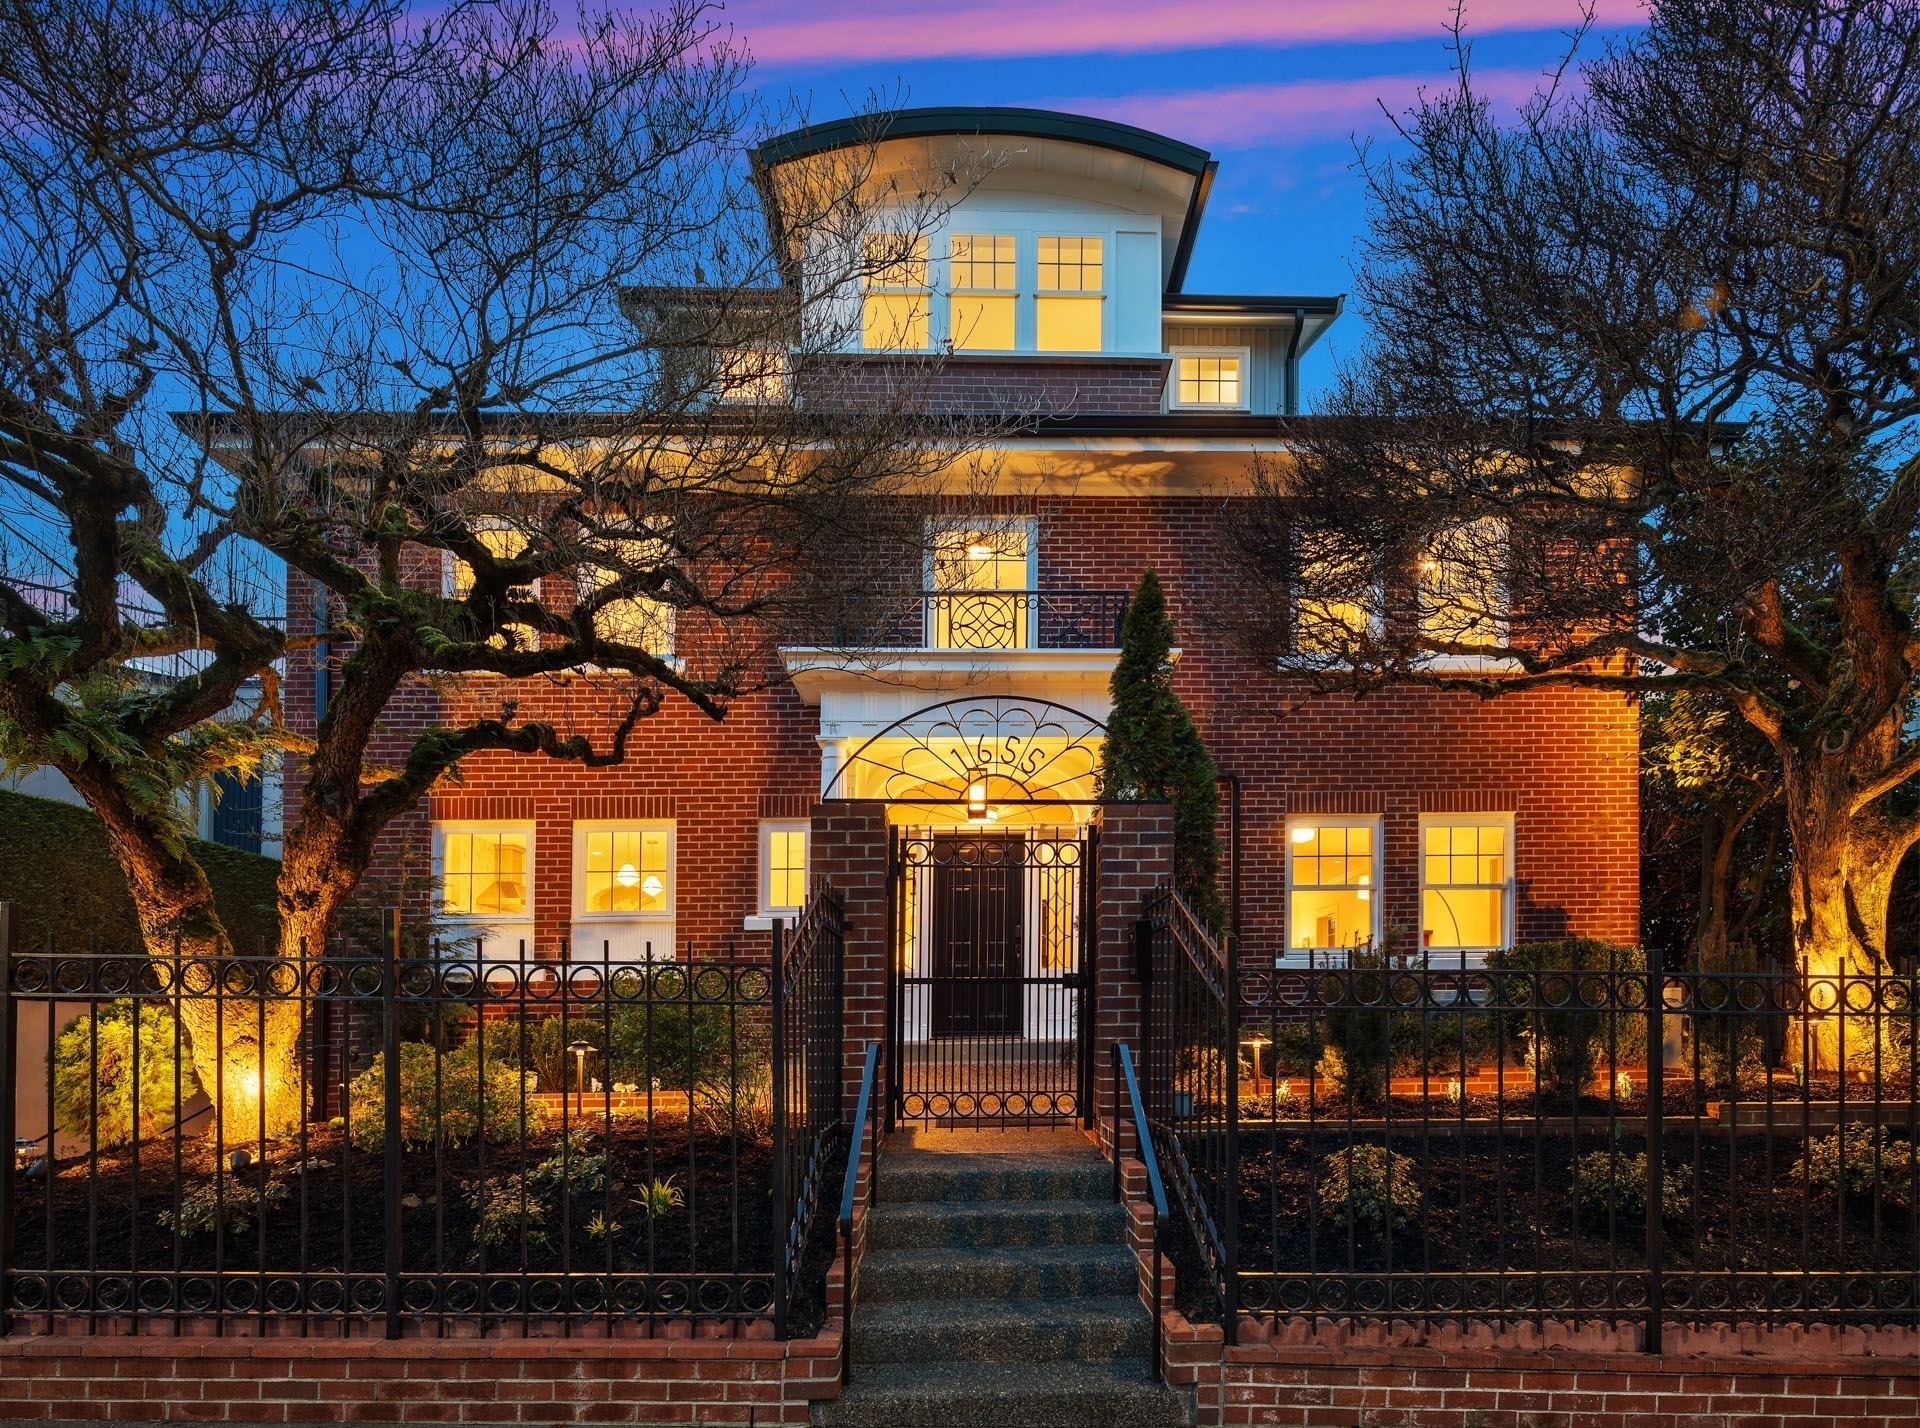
pixel 984 620
pixel 1574 1132
pixel 514 1146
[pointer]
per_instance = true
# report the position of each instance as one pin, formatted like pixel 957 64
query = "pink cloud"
pixel 976 29
pixel 1310 111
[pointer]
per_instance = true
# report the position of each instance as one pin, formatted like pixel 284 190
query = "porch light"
pixel 977 796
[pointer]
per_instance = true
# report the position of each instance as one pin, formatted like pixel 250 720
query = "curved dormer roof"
pixel 1168 175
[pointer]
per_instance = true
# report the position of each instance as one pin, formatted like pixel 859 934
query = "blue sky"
pixel 1280 91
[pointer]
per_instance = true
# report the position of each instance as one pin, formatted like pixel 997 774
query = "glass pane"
pixel 1067 324
pixel 981 323
pixel 599 852
pixel 1070 265
pixel 1463 917
pixel 894 260
pixel 894 321
pixel 982 261
pixel 1329 917
pixel 1209 381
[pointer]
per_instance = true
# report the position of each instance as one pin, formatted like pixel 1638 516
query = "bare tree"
pixel 476 328
pixel 1634 414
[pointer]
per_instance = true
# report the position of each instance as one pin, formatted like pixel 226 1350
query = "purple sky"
pixel 1279 90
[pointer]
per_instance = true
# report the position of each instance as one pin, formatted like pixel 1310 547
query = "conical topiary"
pixel 1153 750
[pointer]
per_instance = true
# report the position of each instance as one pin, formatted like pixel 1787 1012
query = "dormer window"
pixel 893 303
pixel 1067 309
pixel 1212 379
pixel 985 291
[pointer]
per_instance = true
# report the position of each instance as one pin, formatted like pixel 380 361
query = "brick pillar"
pixel 848 848
pixel 1136 856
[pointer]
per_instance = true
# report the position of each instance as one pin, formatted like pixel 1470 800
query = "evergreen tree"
pixel 1153 750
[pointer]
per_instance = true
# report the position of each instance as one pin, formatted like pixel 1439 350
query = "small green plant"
pixel 601 1228
pixel 209 1205
pixel 1456 1093
pixel 445 1097
pixel 1369 1186
pixel 1283 1095
pixel 576 1168
pixel 1608 1180
pixel 660 1197
pixel 1570 999
pixel 1858 1162
pixel 508 1213
pixel 93 1073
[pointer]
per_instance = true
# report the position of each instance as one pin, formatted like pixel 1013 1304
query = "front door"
pixel 976 937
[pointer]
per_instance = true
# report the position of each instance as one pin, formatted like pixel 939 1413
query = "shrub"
pixel 1571 1040
pixel 1359 1022
pixel 669 1044
pixel 576 1168
pixel 737 1098
pixel 1369 1186
pixel 508 1213
pixel 92 1066
pixel 446 1099
pixel 1607 1180
pixel 1858 1161
pixel 207 1206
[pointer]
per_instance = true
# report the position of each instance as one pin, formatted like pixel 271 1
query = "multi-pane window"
pixel 893 307
pixel 483 872
pixel 627 870
pixel 980 272
pixel 1460 585
pixel 1329 615
pixel 753 376
pixel 783 867
pixel 502 543
pixel 1466 879
pixel 1071 275
pixel 1209 380
pixel 640 621
pixel 992 561
pixel 1332 871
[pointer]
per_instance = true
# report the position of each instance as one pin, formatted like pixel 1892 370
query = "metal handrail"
pixel 862 1119
pixel 1124 1076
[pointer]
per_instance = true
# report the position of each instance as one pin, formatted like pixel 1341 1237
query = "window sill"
pixel 763 921
pixel 623 917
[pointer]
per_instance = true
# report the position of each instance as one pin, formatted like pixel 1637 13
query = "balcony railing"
pixel 985 620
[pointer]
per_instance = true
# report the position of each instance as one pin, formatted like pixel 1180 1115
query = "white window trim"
pixel 925 290
pixel 1029 525
pixel 1019 293
pixel 583 589
pixel 763 919
pixel 1245 354
pixel 1332 956
pixel 582 827
pixel 1448 953
pixel 1473 663
pixel 1376 616
pixel 444 826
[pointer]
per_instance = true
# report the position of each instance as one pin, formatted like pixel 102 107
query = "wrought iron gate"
pixel 989 985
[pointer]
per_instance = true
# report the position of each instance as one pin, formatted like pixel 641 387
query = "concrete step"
pixel 991 1179
pixel 969 1226
pixel 1119 1394
pixel 1094 1330
pixel 1066 1272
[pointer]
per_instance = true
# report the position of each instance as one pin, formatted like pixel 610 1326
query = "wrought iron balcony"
pixel 985 620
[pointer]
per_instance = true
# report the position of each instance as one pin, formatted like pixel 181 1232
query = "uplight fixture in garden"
pixel 579 1050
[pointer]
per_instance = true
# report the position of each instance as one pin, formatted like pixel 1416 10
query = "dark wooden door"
pixel 977 963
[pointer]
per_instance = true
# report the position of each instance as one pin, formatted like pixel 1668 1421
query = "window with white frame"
pixel 641 621
pixel 502 542
pixel 1334 608
pixel 485 871
pixel 1210 377
pixel 1466 881
pixel 1333 875
pixel 783 867
pixel 893 304
pixel 983 291
pixel 1462 585
pixel 997 561
pixel 1068 306
pixel 623 870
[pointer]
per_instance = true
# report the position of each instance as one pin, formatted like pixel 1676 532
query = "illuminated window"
pixel 994 561
pixel 1329 616
pixel 752 376
pixel 1460 585
pixel 783 867
pixel 1332 874
pixel 980 272
pixel 483 871
pixel 636 620
pixel 1210 379
pixel 626 869
pixel 1466 881
pixel 893 308
pixel 1069 323
pixel 456 581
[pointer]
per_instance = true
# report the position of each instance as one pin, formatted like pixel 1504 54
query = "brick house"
pixel 1056 288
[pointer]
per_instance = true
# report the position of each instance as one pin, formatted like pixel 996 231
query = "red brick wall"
pixel 963 384
pixel 207 1380
pixel 1136 857
pixel 849 848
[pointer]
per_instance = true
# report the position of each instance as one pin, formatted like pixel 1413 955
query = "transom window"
pixel 1332 873
pixel 783 867
pixel 484 872
pixel 893 308
pixel 1067 310
pixel 627 870
pixel 1210 379
pixel 1466 881
pixel 981 308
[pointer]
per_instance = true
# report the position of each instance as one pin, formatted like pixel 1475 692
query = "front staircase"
pixel 998 1288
